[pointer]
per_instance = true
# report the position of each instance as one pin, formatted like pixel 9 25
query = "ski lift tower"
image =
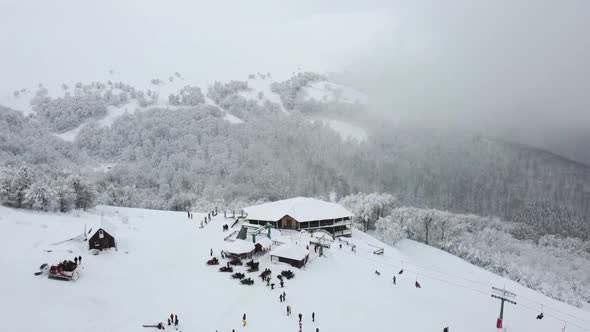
pixel 504 296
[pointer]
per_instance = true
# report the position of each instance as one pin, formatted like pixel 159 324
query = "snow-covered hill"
pixel 159 268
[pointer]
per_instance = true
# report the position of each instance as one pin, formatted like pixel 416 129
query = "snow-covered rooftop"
pixel 264 241
pixel 299 208
pixel 239 247
pixel 290 251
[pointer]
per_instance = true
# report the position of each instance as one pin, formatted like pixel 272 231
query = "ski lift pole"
pixel 503 295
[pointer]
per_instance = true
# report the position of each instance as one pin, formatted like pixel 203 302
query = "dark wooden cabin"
pixel 101 240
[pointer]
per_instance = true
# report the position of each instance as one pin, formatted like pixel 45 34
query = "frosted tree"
pixel 84 193
pixel 40 196
pixel 64 195
pixel 20 183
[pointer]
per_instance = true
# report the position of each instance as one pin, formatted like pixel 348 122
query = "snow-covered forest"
pixel 236 143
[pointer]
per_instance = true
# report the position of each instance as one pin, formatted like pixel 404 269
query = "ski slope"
pixel 160 268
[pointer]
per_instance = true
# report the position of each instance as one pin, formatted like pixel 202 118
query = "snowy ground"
pixel 160 268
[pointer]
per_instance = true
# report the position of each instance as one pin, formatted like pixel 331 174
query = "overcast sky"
pixel 516 68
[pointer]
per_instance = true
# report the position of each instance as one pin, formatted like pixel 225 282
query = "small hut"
pixel 101 240
pixel 240 248
pixel 291 254
pixel 263 244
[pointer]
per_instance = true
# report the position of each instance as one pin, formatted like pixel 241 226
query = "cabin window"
pixel 100 234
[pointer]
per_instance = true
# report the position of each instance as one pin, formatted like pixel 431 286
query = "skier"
pixel 244 319
pixel 188 214
pixel 313 316
pixel 288 310
pixel 282 284
pixel 211 252
pixel 394 280
pixel 272 286
pixel 79 259
pixel 268 281
pixel 175 320
pixel 169 323
pixel 300 317
pixel 171 317
pixel 284 296
pixel 76 260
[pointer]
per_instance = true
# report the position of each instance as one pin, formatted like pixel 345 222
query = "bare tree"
pixel 427 224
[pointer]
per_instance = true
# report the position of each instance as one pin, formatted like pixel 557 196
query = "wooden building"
pixel 293 255
pixel 302 213
pixel 101 240
pixel 240 248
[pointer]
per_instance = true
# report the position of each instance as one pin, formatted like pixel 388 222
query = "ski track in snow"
pixel 160 268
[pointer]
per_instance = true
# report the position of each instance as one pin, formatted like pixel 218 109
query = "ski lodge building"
pixel 302 213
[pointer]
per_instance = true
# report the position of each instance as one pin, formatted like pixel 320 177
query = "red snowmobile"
pixel 66 270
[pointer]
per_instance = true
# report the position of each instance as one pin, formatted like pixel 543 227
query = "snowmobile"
pixel 226 269
pixel 66 270
pixel 288 274
pixel 238 275
pixel 253 267
pixel 213 261
pixel 251 263
pixel 235 261
pixel 247 281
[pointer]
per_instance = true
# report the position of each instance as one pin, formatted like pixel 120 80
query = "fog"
pixel 518 70
pixel 513 69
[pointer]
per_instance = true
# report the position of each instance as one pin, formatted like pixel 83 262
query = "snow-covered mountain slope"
pixel 347 130
pixel 325 91
pixel 160 268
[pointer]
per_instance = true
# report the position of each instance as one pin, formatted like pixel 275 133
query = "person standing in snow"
pixel 394 280
pixel 317 329
pixel 300 317
pixel 244 319
pixel 313 316
pixel 171 317
pixel 175 320
pixel 446 329
pixel 79 259
pixel 282 284
pixel 169 323
pixel 272 286
pixel 76 260
pixel 211 252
